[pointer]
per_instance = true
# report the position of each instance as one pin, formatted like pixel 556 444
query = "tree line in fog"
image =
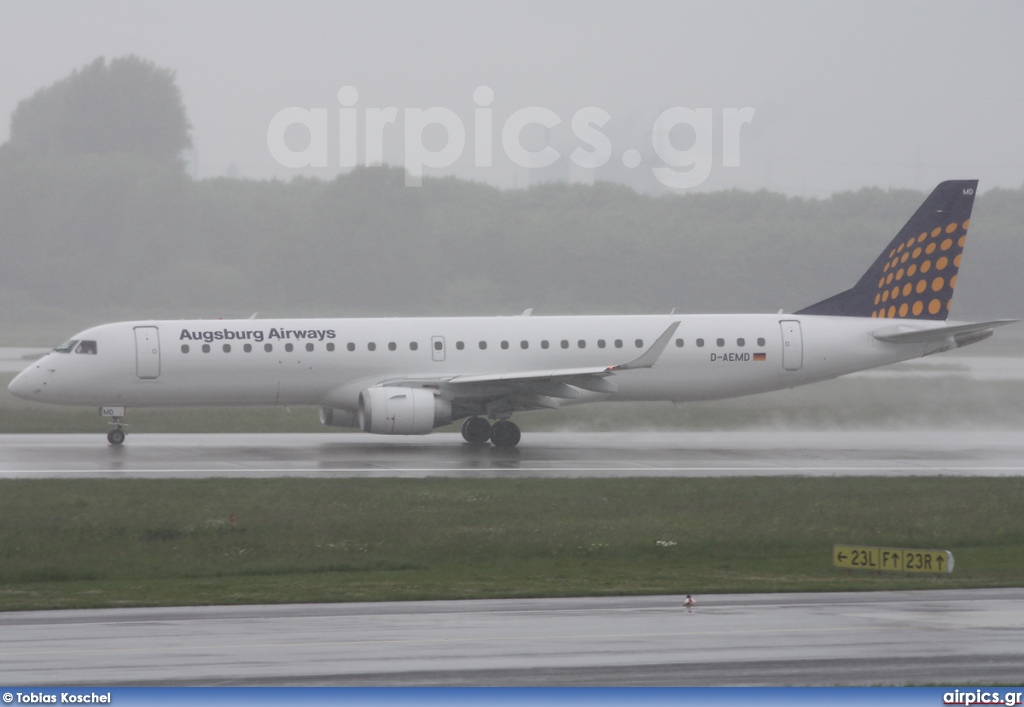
pixel 96 228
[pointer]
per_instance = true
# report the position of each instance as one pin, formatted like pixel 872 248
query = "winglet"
pixel 649 357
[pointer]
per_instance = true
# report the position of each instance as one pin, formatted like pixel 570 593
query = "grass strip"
pixel 146 542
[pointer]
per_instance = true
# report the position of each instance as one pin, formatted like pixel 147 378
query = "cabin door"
pixel 147 352
pixel 792 345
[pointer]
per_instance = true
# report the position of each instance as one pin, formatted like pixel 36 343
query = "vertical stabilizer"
pixel 915 275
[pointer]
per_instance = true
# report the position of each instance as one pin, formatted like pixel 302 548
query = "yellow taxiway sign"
pixel 892 559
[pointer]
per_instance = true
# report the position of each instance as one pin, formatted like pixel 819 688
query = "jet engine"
pixel 402 411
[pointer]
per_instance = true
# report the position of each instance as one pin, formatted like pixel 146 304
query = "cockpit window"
pixel 66 347
pixel 86 347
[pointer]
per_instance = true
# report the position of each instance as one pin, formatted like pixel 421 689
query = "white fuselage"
pixel 329 361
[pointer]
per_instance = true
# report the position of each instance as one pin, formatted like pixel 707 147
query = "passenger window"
pixel 184 348
pixel 524 344
pixel 247 348
pixel 483 345
pixel 618 343
pixel 504 344
pixel 206 348
pixel 350 347
pixel 600 343
pixel 679 343
pixel 565 344
pixel 392 346
pixel 544 344
pixel 413 346
pixel 720 342
pixel 371 346
pixel 268 347
pixel 330 346
pixel 309 347
pixel 582 344
pixel 741 342
pixel 760 342
pixel 227 348
pixel 289 348
pixel 700 343
pixel 639 343
pixel 86 347
pixel 460 345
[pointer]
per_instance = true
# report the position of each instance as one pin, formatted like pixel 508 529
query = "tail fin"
pixel 915 275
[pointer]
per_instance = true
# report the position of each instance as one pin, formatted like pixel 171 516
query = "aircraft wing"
pixel 541 388
pixel 646 360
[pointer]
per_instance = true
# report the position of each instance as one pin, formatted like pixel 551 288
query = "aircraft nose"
pixel 26 384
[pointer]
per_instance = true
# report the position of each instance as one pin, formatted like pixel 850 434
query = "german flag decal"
pixel 760 357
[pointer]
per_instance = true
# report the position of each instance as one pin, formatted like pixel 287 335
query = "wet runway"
pixel 544 454
pixel 877 638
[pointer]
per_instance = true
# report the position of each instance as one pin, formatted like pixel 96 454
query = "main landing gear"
pixel 502 434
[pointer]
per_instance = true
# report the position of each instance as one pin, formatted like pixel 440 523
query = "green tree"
pixel 129 106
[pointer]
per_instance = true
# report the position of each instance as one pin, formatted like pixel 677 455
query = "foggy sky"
pixel 890 94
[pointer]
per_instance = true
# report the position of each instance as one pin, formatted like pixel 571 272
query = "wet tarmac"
pixel 873 638
pixel 540 454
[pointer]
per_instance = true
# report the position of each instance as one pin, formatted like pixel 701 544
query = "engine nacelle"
pixel 332 417
pixel 385 410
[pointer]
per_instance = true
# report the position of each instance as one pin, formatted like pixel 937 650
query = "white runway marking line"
pixel 796 470
pixel 208 646
pixel 672 606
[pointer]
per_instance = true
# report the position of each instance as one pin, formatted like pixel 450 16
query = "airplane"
pixel 409 376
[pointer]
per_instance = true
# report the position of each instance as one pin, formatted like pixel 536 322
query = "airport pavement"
pixel 876 638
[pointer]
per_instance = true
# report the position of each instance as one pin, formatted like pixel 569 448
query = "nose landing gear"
pixel 116 415
pixel 116 435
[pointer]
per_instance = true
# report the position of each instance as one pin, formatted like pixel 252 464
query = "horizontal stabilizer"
pixel 961 333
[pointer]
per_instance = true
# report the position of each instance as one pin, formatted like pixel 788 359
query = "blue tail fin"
pixel 915 275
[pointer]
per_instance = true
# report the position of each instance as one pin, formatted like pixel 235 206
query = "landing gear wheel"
pixel 476 430
pixel 505 434
pixel 116 436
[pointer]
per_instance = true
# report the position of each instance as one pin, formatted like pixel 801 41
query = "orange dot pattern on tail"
pixel 925 266
pixel 915 274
